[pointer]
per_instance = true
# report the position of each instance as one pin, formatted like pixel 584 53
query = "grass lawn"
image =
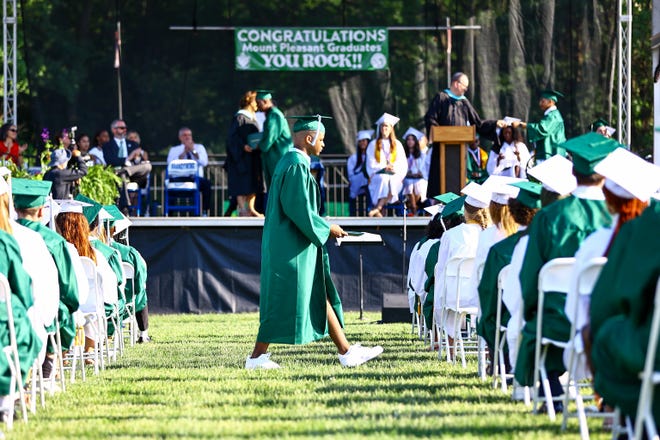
pixel 190 383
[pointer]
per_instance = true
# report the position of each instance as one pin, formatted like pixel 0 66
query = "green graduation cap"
pixel 453 207
pixel 529 194
pixel 588 150
pixel 92 211
pixel 309 123
pixel 30 193
pixel 446 197
pixel 114 211
pixel 600 122
pixel 551 94
pixel 264 94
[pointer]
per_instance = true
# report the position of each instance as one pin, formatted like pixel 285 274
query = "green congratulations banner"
pixel 311 49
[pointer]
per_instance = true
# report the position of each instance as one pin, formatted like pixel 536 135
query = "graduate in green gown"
pixel 622 310
pixel 138 288
pixel 450 216
pixel 96 238
pixel 548 134
pixel 557 231
pixel 11 266
pixel 522 209
pixel 276 140
pixel 298 302
pixel 29 200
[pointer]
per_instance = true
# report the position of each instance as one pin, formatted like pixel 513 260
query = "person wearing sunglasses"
pixel 122 154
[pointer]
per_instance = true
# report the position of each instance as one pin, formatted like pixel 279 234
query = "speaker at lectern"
pixel 451 144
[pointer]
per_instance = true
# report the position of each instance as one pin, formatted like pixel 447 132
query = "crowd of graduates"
pixel 75 285
pixel 594 199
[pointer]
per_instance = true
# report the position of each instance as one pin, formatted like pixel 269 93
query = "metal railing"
pixel 335 179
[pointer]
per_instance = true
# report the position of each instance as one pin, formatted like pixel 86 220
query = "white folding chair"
pixel 461 269
pixel 585 282
pixel 129 277
pixel 650 378
pixel 482 362
pixel 499 364
pixel 554 278
pixel 182 181
pixel 97 318
pixel 11 352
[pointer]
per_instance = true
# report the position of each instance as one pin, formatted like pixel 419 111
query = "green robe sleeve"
pixel 548 126
pixel 429 266
pixel 272 130
pixel 632 268
pixel 296 204
pixel 535 258
pixel 12 267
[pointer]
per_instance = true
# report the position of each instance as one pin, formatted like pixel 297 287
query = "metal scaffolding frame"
pixel 9 49
pixel 624 42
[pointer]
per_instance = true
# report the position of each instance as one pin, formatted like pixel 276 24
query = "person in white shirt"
pixel 189 150
pixel 386 165
pixel 415 183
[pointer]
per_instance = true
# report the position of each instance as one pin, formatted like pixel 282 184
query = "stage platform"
pixel 212 264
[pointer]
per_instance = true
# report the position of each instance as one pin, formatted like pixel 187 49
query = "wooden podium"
pixel 450 142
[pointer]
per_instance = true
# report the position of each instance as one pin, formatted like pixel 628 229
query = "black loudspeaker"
pixel 395 308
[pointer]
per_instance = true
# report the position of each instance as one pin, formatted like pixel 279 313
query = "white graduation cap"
pixel 501 188
pixel 388 119
pixel 556 174
pixel 413 131
pixel 104 215
pixel 50 210
pixel 122 225
pixel 433 209
pixel 628 175
pixel 364 134
pixel 610 130
pixel 71 206
pixel 4 171
pixel 477 195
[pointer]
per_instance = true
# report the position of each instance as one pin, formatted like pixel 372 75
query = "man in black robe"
pixel 451 107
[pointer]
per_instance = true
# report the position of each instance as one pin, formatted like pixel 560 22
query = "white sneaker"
pixel 262 362
pixel 358 355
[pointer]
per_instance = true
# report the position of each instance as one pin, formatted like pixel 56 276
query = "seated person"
pixel 11 266
pixel 416 182
pixel 557 231
pixel 461 242
pixel 386 165
pixel 138 288
pixel 188 149
pixel 358 180
pixel 127 158
pixel 522 209
pixel 621 313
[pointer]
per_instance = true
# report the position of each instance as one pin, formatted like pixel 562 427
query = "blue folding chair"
pixel 182 184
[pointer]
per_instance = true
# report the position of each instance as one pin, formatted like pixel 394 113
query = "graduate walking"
pixel 298 302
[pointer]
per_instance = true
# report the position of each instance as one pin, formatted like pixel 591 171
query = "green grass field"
pixel 190 383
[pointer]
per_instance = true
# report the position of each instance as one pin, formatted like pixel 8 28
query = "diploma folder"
pixel 356 237
pixel 254 138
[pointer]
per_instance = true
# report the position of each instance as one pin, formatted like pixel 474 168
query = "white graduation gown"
pixel 461 241
pixel 487 239
pixel 416 186
pixel 383 185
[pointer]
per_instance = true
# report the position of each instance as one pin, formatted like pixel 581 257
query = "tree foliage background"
pixel 175 78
